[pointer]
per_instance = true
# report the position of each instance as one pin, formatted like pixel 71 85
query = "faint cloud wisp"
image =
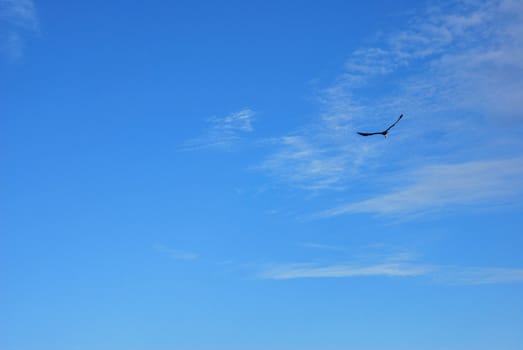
pixel 17 18
pixel 478 276
pixel 176 253
pixel 223 133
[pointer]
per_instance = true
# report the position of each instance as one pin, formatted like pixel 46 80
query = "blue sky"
pixel 187 175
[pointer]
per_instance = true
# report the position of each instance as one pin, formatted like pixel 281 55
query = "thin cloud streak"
pixel 440 186
pixel 437 273
pixel 293 271
pixel 323 246
pixel 223 133
pixel 379 261
pixel 479 276
pixel 176 253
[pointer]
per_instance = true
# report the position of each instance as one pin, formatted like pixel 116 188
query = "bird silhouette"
pixel 384 132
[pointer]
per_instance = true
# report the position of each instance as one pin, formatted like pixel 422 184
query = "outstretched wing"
pixel 368 133
pixel 396 122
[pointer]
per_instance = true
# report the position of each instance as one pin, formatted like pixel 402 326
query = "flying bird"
pixel 384 133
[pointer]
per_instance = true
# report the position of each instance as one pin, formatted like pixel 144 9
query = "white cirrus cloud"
pixel 461 55
pixel 306 163
pixel 308 270
pixel 403 264
pixel 439 273
pixel 438 186
pixel 223 133
pixel 455 70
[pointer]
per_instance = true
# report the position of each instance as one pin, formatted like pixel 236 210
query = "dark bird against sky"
pixel 384 133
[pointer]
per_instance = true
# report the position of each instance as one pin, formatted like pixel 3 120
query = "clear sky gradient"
pixel 187 175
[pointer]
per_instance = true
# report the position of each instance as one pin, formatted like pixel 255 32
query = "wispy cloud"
pixel 323 246
pixel 293 271
pixel 17 18
pixel 454 70
pixel 437 186
pixel 223 132
pixel 307 163
pixel 441 274
pixel 321 155
pixel 463 54
pixel 476 275
pixel 176 253
pixel 375 261
pixel 396 265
